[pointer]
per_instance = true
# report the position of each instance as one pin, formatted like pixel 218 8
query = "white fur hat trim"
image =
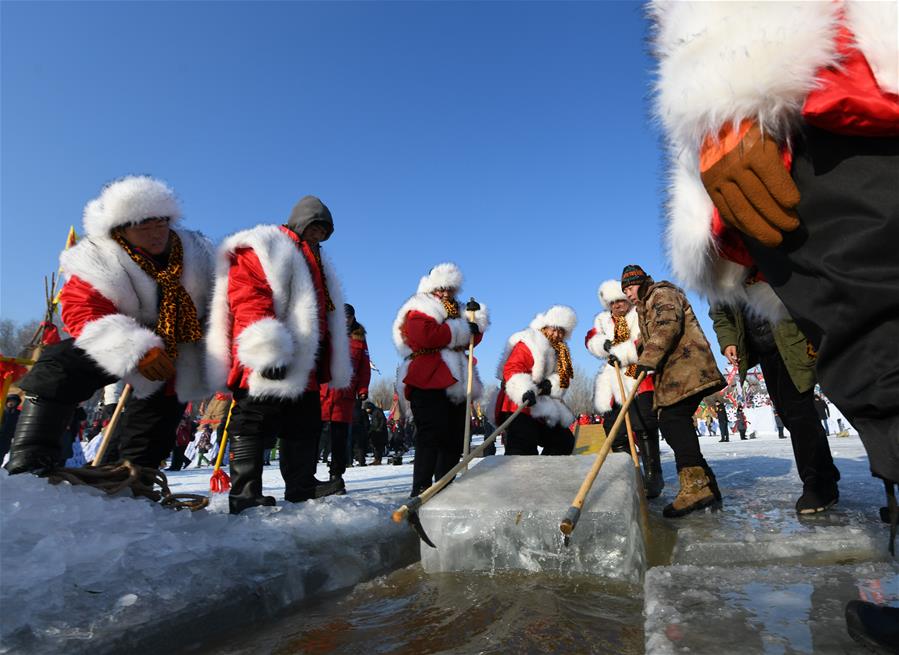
pixel 127 201
pixel 560 316
pixel 610 291
pixel 443 276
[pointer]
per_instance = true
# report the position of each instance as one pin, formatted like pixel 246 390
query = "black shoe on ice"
pixel 814 500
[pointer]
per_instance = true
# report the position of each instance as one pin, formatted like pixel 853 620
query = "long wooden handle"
pixel 419 500
pixel 221 453
pixel 466 444
pixel 571 517
pixel 627 419
pixel 113 424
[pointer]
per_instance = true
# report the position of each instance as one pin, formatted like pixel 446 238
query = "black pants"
pixel 797 411
pixel 297 423
pixel 440 427
pixel 838 275
pixel 146 434
pixel 359 434
pixel 676 425
pixel 643 419
pixel 339 435
pixel 378 442
pixel 525 434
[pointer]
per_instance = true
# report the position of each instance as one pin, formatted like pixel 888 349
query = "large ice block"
pixel 505 512
pixel 778 609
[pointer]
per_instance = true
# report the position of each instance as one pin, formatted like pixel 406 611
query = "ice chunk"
pixel 505 513
pixel 778 609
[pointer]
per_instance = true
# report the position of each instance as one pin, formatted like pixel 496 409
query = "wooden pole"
pixel 574 512
pixel 627 420
pixel 113 424
pixel 466 444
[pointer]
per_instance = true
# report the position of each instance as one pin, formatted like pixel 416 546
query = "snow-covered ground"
pixel 82 572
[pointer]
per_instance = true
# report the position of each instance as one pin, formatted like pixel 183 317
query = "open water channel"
pixel 412 612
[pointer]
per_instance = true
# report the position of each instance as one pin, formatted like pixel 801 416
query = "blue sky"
pixel 512 138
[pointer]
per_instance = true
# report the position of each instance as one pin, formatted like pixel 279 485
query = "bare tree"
pixel 381 393
pixel 579 397
pixel 14 338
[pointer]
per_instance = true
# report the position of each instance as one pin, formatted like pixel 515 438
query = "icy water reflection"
pixel 410 612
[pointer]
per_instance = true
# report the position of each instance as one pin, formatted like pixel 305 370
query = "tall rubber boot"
pixel 298 463
pixel 35 446
pixel 246 475
pixel 653 480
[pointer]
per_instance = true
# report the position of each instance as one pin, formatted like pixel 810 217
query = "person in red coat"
pixel 337 404
pixel 536 370
pixel 277 332
pixel 134 301
pixel 432 336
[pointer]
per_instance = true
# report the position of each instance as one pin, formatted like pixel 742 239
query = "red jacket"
pixel 337 404
pixel 434 347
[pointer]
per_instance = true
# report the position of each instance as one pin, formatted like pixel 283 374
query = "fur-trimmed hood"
pixel 127 201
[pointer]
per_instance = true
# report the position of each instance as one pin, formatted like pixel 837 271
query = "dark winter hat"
pixel 307 211
pixel 631 275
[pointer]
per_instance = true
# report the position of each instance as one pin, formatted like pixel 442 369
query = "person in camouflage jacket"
pixel 675 348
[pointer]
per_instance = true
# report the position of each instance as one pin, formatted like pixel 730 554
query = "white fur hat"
pixel 560 316
pixel 443 276
pixel 127 201
pixel 610 291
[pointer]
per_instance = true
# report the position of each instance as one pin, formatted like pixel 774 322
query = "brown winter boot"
pixel 695 493
pixel 377 462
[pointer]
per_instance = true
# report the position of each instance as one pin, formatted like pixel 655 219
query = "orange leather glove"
pixel 745 177
pixel 156 365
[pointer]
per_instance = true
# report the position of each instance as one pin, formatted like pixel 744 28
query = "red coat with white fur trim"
pixel 529 359
pixel 111 307
pixel 433 347
pixel 265 314
pixel 828 64
pixel 605 386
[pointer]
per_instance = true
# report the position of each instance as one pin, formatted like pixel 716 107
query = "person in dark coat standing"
pixel 11 413
pixel 721 411
pixel 377 431
pixel 741 422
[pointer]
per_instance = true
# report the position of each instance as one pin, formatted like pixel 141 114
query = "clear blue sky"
pixel 510 137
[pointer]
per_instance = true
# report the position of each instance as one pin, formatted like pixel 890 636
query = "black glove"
pixel 362 396
pixel 544 387
pixel 607 345
pixel 529 399
pixel 472 306
pixel 614 360
pixel 643 368
pixel 274 373
pixel 474 328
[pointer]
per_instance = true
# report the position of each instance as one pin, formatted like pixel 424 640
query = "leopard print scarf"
pixel 177 322
pixel 451 307
pixel 564 367
pixel 622 334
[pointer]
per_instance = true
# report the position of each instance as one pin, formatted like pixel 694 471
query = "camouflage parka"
pixel 674 345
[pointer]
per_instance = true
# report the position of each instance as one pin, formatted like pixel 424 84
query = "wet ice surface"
pixel 772 609
pixel 85 572
pixel 504 515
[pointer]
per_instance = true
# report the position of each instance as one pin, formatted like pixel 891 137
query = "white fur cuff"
pixel 626 353
pixel 117 343
pixel 267 343
pixel 482 319
pixel 461 333
pixel 518 385
pixel 556 391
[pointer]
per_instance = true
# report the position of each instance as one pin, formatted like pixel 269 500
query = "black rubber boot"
pixel 876 627
pixel 653 481
pixel 246 475
pixel 35 446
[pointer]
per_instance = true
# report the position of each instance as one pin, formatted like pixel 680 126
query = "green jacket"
pixel 730 328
